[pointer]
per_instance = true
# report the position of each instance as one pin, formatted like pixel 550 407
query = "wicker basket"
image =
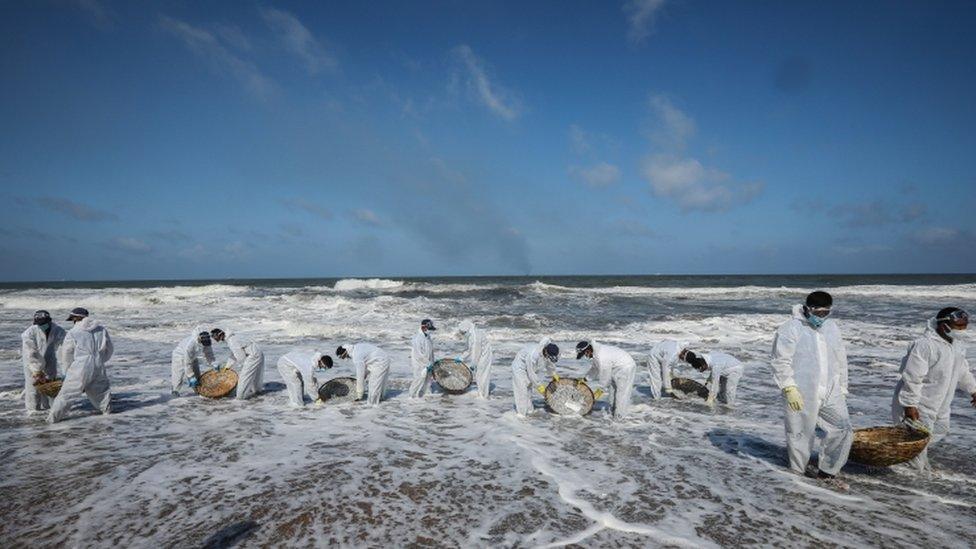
pixel 569 397
pixel 689 387
pixel 49 388
pixel 214 384
pixel 454 378
pixel 340 389
pixel 884 446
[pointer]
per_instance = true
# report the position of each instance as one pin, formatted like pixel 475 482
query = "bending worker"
pixel 478 355
pixel 299 369
pixel 248 357
pixel 724 373
pixel 524 377
pixel 40 346
pixel 185 363
pixel 661 360
pixel 87 347
pixel 614 368
pixel 933 367
pixel 809 364
pixel 422 359
pixel 370 362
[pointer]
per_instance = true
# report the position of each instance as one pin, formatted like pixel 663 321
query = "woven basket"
pixel 569 397
pixel 689 387
pixel 452 377
pixel 884 446
pixel 215 384
pixel 340 389
pixel 49 388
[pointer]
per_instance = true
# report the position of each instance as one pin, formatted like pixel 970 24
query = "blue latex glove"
pixel 430 368
pixel 216 367
pixel 458 361
pixel 193 382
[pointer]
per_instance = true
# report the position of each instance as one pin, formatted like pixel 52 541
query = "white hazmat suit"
pixel 815 362
pixel 39 352
pixel 725 371
pixel 298 369
pixel 660 361
pixel 248 357
pixel 478 355
pixel 421 358
pixel 373 363
pixel 185 362
pixel 614 368
pixel 930 373
pixel 87 347
pixel 524 377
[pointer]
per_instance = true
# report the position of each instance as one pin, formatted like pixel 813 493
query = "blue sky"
pixel 260 139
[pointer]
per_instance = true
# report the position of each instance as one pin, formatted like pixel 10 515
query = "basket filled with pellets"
pixel 886 446
pixel 687 386
pixel 452 376
pixel 338 390
pixel 569 396
pixel 217 384
pixel 49 388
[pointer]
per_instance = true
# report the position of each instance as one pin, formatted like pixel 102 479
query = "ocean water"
pixel 456 470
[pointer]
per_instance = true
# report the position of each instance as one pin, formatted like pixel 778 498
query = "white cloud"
pixel 681 178
pixel 578 139
pixel 640 18
pixel 496 98
pixel 936 235
pixel 301 204
pixel 299 40
pixel 367 217
pixel 598 175
pixel 208 46
pixel 674 128
pixel 131 245
pixel 694 186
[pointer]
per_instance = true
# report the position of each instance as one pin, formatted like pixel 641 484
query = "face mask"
pixel 815 321
pixel 46 326
pixel 963 336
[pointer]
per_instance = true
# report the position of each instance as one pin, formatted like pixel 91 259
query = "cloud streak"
pixel 214 50
pixel 599 175
pixel 303 205
pixel 299 40
pixel 641 15
pixel 75 210
pixel 492 96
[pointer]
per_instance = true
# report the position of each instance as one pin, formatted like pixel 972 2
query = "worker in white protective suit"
pixel 87 347
pixel 613 368
pixel 370 362
pixel 524 377
pixel 933 368
pixel 809 363
pixel 724 373
pixel 422 359
pixel 299 369
pixel 660 362
pixel 40 346
pixel 247 356
pixel 477 355
pixel 185 361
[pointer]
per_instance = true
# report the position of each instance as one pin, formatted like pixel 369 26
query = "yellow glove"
pixel 597 394
pixel 541 389
pixel 793 398
pixel 319 401
pixel 555 377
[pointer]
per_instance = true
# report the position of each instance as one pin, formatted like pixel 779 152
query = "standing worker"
pixel 933 367
pixel 809 364
pixel 185 362
pixel 724 373
pixel 370 362
pixel 298 369
pixel 614 368
pixel 524 376
pixel 478 355
pixel 422 359
pixel 87 347
pixel 246 355
pixel 40 346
